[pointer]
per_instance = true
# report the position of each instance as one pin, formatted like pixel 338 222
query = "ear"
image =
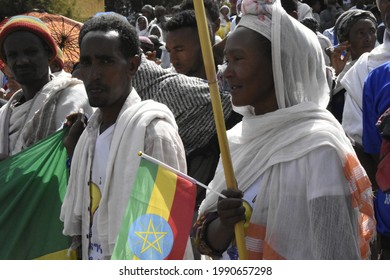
pixel 48 50
pixel 133 64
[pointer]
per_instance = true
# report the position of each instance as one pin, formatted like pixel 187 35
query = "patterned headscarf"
pixel 297 59
pixel 347 19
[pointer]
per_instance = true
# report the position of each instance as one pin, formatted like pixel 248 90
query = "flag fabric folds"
pixel 32 187
pixel 158 218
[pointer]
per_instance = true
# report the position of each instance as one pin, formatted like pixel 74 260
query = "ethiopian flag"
pixel 158 218
pixel 32 186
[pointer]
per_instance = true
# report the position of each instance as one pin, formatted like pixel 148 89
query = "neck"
pixel 109 118
pixel 29 91
pixel 110 114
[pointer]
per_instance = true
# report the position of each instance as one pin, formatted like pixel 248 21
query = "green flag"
pixel 158 218
pixel 32 187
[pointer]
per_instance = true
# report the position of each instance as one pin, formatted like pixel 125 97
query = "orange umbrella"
pixel 65 32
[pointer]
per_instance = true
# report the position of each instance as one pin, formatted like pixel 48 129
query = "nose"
pixel 21 59
pixel 94 73
pixel 173 57
pixel 227 71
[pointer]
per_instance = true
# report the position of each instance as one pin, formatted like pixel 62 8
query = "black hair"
pixel 311 23
pixel 181 20
pixel 290 5
pixel 211 7
pixel 130 45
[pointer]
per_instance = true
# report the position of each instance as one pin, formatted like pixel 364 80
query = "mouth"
pixel 235 88
pixel 22 71
pixel 95 90
pixel 178 68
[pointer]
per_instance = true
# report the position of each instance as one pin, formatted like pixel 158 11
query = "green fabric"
pixel 32 187
pixel 138 204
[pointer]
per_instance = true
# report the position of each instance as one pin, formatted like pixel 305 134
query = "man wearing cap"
pixel 39 108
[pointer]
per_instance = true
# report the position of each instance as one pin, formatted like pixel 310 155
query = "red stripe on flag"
pixel 180 220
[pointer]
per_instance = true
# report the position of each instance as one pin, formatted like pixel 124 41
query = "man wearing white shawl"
pixel 39 108
pixel 105 160
pixel 311 198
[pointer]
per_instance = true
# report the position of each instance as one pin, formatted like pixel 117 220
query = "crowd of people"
pixel 303 92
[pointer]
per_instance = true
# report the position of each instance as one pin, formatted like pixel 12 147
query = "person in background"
pixel 376 101
pixel 276 72
pixel 39 108
pixel 235 19
pixel 225 23
pixel 142 26
pixel 161 20
pixel 329 15
pixel 353 82
pixel 356 32
pixel 304 10
pixel 183 45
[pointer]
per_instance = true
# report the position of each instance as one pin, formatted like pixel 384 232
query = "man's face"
pixel 28 57
pixel 105 71
pixel 185 52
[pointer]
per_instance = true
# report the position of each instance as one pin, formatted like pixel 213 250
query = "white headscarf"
pixel 143 32
pixel 263 145
pixel 297 60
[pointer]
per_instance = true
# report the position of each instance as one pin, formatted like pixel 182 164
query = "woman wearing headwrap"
pixel 297 172
pixel 356 32
pixel 142 26
pixel 224 17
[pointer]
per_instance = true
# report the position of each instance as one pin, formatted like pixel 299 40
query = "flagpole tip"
pixel 139 153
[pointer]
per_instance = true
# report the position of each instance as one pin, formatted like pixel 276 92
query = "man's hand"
pixel 76 122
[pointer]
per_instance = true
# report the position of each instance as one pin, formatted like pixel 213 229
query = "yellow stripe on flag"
pixel 163 193
pixel 59 255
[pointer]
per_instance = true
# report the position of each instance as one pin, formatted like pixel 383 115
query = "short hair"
pixel 111 21
pixel 290 5
pixel 311 23
pixel 211 7
pixel 182 19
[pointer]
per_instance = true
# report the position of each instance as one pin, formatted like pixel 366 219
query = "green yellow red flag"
pixel 158 218
pixel 32 187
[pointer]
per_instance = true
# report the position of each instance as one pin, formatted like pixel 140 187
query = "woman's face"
pixel 141 23
pixel 362 37
pixel 249 71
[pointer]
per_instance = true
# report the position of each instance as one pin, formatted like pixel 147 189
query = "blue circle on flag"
pixel 150 237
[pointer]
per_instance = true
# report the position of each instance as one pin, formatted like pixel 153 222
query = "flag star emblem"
pixel 151 238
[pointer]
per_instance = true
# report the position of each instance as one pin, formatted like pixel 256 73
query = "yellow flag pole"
pixel 208 59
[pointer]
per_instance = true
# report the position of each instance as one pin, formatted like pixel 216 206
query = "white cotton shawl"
pixel 353 82
pixel 47 110
pixel 122 165
pixel 261 144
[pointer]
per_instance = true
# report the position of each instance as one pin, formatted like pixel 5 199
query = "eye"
pixel 10 55
pixel 84 62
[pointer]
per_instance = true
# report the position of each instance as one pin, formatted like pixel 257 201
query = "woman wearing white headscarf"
pixel 298 173
pixel 141 26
